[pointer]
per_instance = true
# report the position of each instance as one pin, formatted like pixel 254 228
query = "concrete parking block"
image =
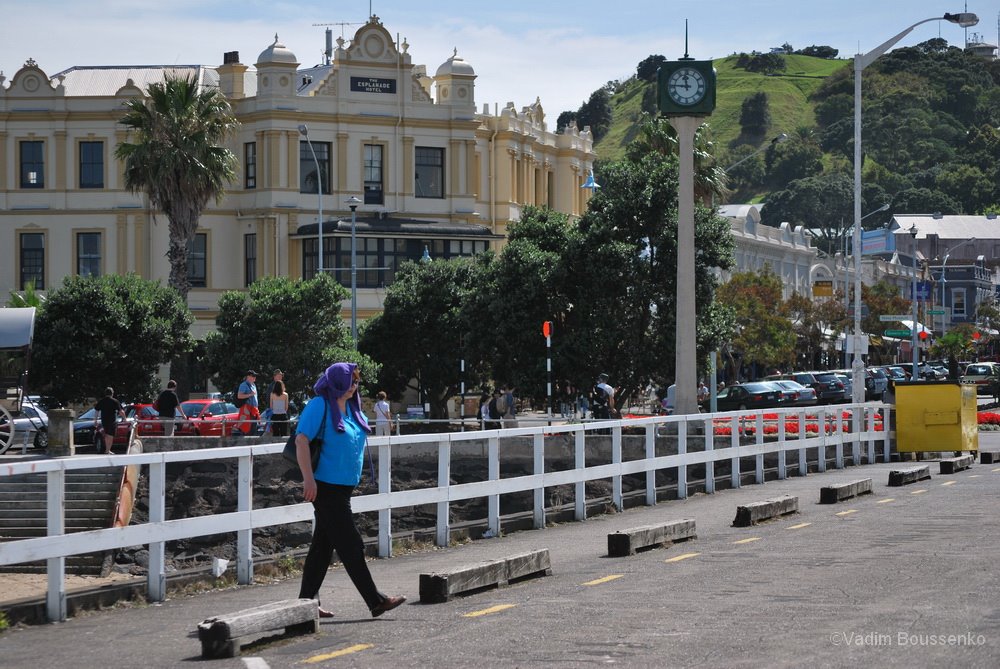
pixel 952 465
pixel 753 513
pixel 898 477
pixel 441 586
pixel 627 542
pixel 832 494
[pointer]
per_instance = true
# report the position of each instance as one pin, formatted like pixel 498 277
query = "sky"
pixel 559 52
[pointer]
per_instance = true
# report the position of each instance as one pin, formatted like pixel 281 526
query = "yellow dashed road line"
pixel 338 653
pixel 918 492
pixel 685 556
pixel 886 500
pixel 603 579
pixel 974 476
pixel 798 527
pixel 847 513
pixel 486 612
pixel 948 483
pixel 747 540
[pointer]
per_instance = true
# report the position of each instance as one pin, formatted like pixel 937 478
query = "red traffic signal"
pixel 923 335
pixel 547 329
pixel 976 336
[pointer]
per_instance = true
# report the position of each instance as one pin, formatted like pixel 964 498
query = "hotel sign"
pixel 372 85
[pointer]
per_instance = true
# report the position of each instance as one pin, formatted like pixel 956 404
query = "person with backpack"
pixel 495 410
pixel 246 400
pixel 603 404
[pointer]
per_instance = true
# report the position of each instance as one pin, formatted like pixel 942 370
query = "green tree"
pixel 755 114
pixel 94 332
pixel 177 159
pixel 646 70
pixel 419 334
pixel 28 298
pixel 279 323
pixel 596 113
pixel 764 333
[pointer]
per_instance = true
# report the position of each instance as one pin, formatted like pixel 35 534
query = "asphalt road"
pixel 906 577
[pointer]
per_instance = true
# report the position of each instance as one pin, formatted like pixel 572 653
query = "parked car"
pixel 845 377
pixel 207 418
pixel 802 395
pixel 877 385
pixel 149 419
pixel 981 374
pixel 932 371
pixel 896 373
pixel 30 419
pixel 829 389
pixel 753 395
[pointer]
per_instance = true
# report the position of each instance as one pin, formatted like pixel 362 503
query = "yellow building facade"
pixel 432 173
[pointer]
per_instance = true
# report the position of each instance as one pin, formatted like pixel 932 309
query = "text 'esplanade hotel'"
pixel 430 170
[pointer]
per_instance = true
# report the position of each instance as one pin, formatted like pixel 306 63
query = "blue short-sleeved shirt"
pixel 247 387
pixel 343 454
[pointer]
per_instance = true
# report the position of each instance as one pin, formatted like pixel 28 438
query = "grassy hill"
pixel 788 96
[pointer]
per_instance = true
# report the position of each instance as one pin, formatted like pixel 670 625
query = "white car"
pixel 30 422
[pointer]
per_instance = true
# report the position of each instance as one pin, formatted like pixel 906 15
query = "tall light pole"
pixel 353 203
pixel 304 131
pixel 861 61
pixel 944 280
pixel 847 272
pixel 913 298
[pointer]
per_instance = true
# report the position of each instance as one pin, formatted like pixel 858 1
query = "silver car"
pixel 31 422
pixel 799 395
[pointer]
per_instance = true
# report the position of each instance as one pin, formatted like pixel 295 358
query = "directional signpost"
pixel 891 318
pixel 901 334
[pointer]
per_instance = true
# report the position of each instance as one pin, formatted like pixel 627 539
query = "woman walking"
pixel 344 432
pixel 279 409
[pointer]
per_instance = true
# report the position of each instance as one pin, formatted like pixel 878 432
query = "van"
pixel 981 374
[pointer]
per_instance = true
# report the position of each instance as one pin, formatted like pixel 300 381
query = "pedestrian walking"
pixel 344 432
pixel 166 407
pixel 246 419
pixel 278 399
pixel 382 419
pixel 106 411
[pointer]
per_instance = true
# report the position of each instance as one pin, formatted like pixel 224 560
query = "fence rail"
pixel 696 436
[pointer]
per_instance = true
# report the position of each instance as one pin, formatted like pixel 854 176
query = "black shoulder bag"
pixel 315 444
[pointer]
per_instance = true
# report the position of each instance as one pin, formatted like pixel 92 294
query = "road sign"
pixel 898 333
pixel 923 290
pixel 891 318
pixel 937 312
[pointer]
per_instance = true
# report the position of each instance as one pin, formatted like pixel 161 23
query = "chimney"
pixel 231 75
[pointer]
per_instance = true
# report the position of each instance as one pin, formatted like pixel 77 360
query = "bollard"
pixel 61 433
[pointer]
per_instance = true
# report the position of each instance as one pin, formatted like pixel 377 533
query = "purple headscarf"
pixel 334 382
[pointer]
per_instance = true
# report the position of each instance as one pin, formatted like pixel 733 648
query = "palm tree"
pixel 177 159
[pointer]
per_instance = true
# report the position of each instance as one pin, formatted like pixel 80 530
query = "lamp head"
pixel 352 202
pixel 303 130
pixel 884 207
pixel 783 137
pixel 913 231
pixel 963 19
pixel 590 183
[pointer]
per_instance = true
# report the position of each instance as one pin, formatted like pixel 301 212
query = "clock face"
pixel 686 86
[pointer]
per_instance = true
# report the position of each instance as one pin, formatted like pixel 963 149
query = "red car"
pixel 149 419
pixel 208 418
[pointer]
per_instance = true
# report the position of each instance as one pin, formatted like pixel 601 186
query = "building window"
pixel 429 172
pixel 307 167
pixel 373 174
pixel 91 164
pixel 32 164
pixel 88 253
pixel 310 266
pixel 198 261
pixel 32 260
pixel 250 165
pixel 249 259
pixel 958 302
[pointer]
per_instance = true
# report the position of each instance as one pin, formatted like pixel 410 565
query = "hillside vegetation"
pixel 788 95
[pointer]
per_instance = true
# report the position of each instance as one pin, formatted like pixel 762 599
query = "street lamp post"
pixel 944 280
pixel 353 203
pixel 861 61
pixel 847 271
pixel 304 131
pixel 913 298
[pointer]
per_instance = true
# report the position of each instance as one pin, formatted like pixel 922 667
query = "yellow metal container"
pixel 936 416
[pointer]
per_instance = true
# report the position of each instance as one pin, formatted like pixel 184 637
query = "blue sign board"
pixel 923 290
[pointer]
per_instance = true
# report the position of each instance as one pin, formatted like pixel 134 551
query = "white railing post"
pixel 709 447
pixel 821 450
pixel 538 469
pixel 838 432
pixel 886 436
pixel 616 459
pixel 682 470
pixel 384 487
pixel 443 534
pixel 782 417
pixel 758 440
pixel 857 422
pixel 870 419
pixel 494 475
pixel 55 525
pixel 244 536
pixel 803 455
pixel 734 442
pixel 579 488
pixel 650 452
pixel 156 577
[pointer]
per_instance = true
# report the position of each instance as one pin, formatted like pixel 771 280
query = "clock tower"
pixel 686 87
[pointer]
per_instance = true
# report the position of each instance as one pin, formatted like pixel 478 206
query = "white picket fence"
pixel 697 429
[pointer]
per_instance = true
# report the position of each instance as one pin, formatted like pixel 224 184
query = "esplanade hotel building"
pixel 432 172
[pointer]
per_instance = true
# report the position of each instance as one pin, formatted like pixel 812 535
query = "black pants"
pixel 335 530
pixel 279 424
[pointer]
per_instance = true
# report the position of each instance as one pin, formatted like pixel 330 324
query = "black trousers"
pixel 335 530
